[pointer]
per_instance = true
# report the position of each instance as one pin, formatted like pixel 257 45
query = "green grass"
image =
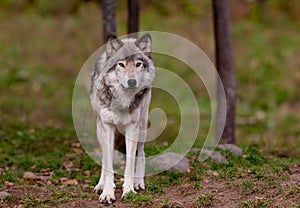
pixel 37 149
pixel 136 199
pixel 255 171
pixel 205 200
pixel 55 199
pixel 255 203
pixel 248 187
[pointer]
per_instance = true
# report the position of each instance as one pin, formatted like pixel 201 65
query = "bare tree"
pixel 133 16
pixel 225 66
pixel 109 18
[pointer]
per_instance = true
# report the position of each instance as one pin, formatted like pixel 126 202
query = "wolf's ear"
pixel 145 44
pixel 113 44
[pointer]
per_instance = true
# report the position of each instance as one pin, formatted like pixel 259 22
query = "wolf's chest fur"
pixel 122 107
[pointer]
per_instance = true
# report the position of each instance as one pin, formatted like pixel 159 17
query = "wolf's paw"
pixel 127 190
pixel 98 188
pixel 107 197
pixel 139 184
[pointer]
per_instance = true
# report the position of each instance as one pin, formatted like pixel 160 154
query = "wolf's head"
pixel 129 64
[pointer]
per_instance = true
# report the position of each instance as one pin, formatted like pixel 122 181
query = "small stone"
pixel 235 150
pixel 4 194
pixel 29 176
pixel 164 162
pixel 214 156
pixel 21 206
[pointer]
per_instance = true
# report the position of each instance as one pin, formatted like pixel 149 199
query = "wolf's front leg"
pixel 131 136
pixel 141 160
pixel 105 134
pixel 140 167
pixel 99 187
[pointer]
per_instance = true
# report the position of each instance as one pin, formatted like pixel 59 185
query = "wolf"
pixel 120 97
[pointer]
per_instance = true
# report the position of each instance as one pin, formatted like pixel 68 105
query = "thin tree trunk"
pixel 109 18
pixel 225 66
pixel 133 16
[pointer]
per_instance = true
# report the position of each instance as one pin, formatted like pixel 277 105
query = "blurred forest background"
pixel 43 45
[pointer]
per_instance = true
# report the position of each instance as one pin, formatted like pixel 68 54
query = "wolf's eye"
pixel 138 64
pixel 121 65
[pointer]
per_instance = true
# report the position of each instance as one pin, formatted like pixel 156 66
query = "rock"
pixel 29 176
pixel 4 194
pixel 214 156
pixel 235 150
pixel 163 161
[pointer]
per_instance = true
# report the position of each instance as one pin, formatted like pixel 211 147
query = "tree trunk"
pixel 109 18
pixel 133 16
pixel 225 66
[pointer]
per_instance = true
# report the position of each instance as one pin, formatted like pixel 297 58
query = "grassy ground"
pixel 41 55
pixel 65 177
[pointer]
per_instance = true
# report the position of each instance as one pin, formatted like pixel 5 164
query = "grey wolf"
pixel 120 97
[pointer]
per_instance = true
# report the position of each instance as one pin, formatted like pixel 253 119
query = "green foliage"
pixel 248 187
pixel 56 198
pixel 205 200
pixel 255 203
pixel 136 198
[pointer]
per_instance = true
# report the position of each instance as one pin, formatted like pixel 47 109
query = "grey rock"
pixel 213 155
pixel 4 194
pixel 163 161
pixel 235 150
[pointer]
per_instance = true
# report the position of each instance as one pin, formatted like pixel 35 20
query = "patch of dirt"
pixel 284 193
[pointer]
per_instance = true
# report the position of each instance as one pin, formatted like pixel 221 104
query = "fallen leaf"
pixel 46 170
pixel 214 173
pixel 68 164
pixel 77 144
pixel 29 176
pixel 206 181
pixel 77 150
pixel 63 179
pixel 8 184
pixel 87 173
pixel 70 182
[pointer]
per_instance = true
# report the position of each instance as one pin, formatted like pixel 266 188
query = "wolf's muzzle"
pixel 132 83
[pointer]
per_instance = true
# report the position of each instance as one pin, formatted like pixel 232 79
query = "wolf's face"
pixel 133 72
pixel 131 66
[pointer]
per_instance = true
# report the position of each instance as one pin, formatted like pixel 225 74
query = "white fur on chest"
pixel 118 112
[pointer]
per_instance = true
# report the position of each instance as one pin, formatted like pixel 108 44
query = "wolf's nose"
pixel 131 83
